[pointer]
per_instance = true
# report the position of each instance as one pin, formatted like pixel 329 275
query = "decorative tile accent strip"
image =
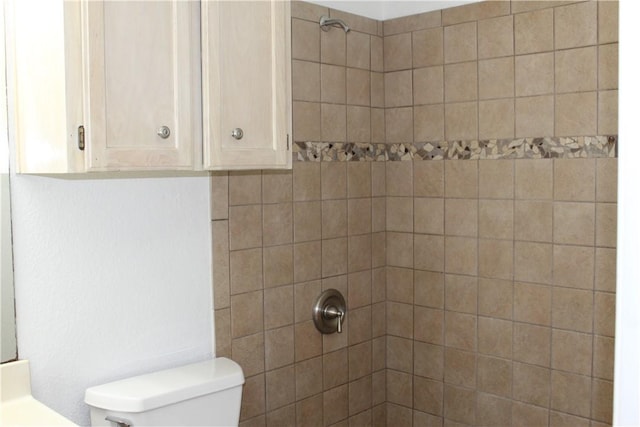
pixel 518 148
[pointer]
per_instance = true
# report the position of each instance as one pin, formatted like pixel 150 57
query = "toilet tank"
pixel 200 394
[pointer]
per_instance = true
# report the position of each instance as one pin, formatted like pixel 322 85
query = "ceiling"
pixel 389 9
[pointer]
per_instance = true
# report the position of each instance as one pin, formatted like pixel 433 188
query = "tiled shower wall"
pixel 480 292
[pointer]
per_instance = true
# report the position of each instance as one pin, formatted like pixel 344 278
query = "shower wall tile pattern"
pixel 456 181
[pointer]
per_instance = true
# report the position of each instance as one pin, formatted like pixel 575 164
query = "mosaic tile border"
pixel 518 148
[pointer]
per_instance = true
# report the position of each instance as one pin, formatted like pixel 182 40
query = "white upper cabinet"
pixel 142 67
pixel 246 84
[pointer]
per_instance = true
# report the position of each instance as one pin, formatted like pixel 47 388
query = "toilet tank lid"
pixel 162 388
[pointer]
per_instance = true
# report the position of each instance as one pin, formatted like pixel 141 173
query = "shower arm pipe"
pixel 326 22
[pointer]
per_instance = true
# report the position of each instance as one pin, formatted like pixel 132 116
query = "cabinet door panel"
pixel 246 84
pixel 140 76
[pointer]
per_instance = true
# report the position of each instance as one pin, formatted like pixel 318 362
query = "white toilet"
pixel 201 394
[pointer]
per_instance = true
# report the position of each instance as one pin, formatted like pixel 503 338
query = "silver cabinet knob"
pixel 163 132
pixel 237 133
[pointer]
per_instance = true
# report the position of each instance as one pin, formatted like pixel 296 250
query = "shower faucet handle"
pixel 330 312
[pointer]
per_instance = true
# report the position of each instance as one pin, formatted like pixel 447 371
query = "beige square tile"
pixel 377 57
pixel 495 298
pixel 577 69
pixel 334 218
pixel 496 78
pixel 280 387
pixel 473 12
pixel 429 288
pixel 572 351
pixel 399 354
pixel 570 393
pixel 399 178
pixel 603 357
pixel 534 74
pixel 461 255
pixel 358 124
pixel 398 124
pixel 495 37
pixel 495 376
pixel 428 122
pixel 495 337
pixel 399 319
pixel 429 328
pixel 306 121
pixel 428 360
pixel 245 227
pixel 279 348
pixel 359 289
pixel 496 179
pixel 608 21
pixel 277 226
pixel 535 116
pixel 428 85
pixel 399 388
pixel 576 113
pixel 573 266
pixel 378 130
pixel 461 121
pixel 602 401
pixel 604 314
pixel 308 342
pixel 308 11
pixel 460 367
pixel 460 404
pixel 461 217
pixel 608 112
pixel 495 258
pixel 461 179
pixel 534 179
pixel 333 180
pixel 400 214
pixel 532 384
pixel 246 314
pixel 378 283
pixel 305 37
pixel 335 368
pixel 428 178
pixel 575 25
pixel 533 31
pixel 563 419
pixel 223 332
pixel 533 262
pixel 428 215
pixel 358 50
pixel 605 269
pixel 305 81
pixel 460 43
pixel 532 344
pixel 359 253
pixel 359 216
pixel 575 179
pixel 398 52
pixel 359 179
pixel 308 378
pixel 377 89
pixel 307 221
pixel 334 122
pixel 400 249
pixel 333 47
pixel 333 83
pixel 359 87
pixel 572 309
pixel 497 119
pixel 253 399
pixel 533 220
pixel 532 303
pixel 523 414
pixel 423 418
pixel 278 266
pixel 428 47
pixel 460 331
pixel 461 82
pixel 306 181
pixel 334 257
pixel 219 195
pixel 335 404
pixel 246 270
pixel 607 180
pixel 283 416
pixel 378 214
pixel 573 223
pixel 279 307
pixel 304 296
pixel 220 263
pixel 461 293
pixel 307 261
pixel 398 89
pixel 493 411
pixel 277 186
pixel 245 188
pixel 359 396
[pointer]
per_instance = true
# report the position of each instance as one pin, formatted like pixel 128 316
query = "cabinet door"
pixel 246 73
pixel 142 84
